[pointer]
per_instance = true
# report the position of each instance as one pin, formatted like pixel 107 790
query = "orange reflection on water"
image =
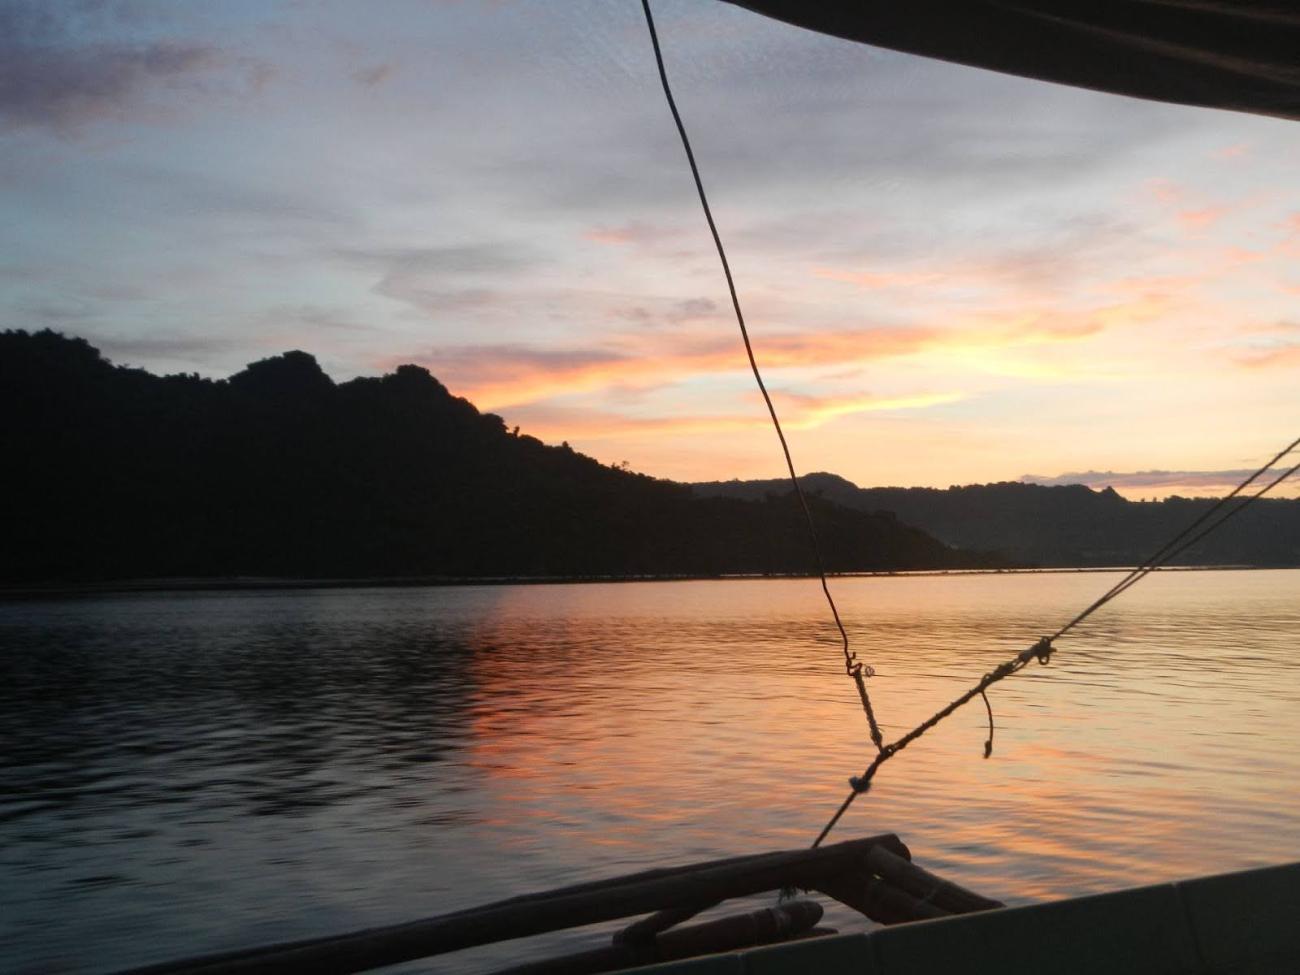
pixel 700 719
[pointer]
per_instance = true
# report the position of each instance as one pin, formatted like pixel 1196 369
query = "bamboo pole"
pixel 919 882
pixel 878 899
pixel 766 926
pixel 644 931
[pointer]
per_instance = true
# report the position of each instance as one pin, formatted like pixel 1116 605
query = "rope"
pixel 1042 650
pixel 855 668
pixel 988 742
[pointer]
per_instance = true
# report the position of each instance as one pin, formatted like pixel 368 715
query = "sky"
pixel 950 276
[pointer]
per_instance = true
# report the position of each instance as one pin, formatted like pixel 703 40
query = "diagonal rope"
pixel 1042 650
pixel 855 668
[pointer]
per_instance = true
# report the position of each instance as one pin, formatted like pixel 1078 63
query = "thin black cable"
pixel 1043 649
pixel 855 668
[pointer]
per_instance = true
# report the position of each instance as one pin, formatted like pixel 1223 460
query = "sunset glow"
pixel 950 276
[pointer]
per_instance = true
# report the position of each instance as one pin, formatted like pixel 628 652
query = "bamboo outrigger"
pixel 874 876
pixel 1242 923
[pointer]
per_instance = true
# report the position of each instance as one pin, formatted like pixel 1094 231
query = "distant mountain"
pixel 115 473
pixel 1056 526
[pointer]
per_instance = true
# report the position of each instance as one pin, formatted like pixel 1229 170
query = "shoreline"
pixel 271 583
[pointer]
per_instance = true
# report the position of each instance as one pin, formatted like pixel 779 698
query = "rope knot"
pixel 1043 650
pixel 859 784
pixel 1040 651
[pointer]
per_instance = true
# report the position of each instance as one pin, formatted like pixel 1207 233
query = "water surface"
pixel 182 773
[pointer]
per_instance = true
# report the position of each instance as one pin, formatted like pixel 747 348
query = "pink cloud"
pixel 880 280
pixel 1164 190
pixel 493 376
pixel 1237 151
pixel 797 413
pixel 1282 355
pixel 633 232
pixel 1202 218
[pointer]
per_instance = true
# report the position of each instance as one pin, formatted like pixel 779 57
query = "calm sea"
pixel 182 773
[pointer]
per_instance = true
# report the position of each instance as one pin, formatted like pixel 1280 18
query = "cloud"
pixel 1202 218
pixel 316 318
pixel 1165 190
pixel 436 279
pixel 478 258
pixel 675 312
pixel 695 308
pixel 61 89
pixel 1044 260
pixel 633 232
pixel 50 79
pixel 813 411
pixel 797 413
pixel 881 280
pixel 373 76
pixel 1238 150
pixel 499 375
pixel 1282 355
pixel 1144 479
pixel 1270 344
pixel 144 348
pixel 492 376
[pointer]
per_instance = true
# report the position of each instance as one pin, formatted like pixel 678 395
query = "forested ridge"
pixel 115 473
pixel 1070 525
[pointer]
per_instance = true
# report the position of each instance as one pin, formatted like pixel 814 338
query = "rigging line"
pixel 855 668
pixel 1042 650
pixel 1164 552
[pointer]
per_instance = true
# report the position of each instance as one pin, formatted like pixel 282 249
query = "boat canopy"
pixel 1242 55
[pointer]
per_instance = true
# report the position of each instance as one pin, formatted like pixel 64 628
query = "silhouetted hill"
pixel 1057 526
pixel 279 471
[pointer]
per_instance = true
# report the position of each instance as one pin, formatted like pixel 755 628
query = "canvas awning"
pixel 1242 55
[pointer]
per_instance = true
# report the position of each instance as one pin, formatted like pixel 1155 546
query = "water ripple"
pixel 193 772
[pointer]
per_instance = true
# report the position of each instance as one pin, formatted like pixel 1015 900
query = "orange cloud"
pixel 1203 218
pixel 813 411
pixel 1164 190
pixel 879 280
pixel 634 232
pixel 1158 283
pixel 797 412
pixel 497 376
pixel 1196 216
pixel 500 375
pixel 1284 355
pixel 1236 151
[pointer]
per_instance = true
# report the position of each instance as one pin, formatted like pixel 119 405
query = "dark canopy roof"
pixel 1236 54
